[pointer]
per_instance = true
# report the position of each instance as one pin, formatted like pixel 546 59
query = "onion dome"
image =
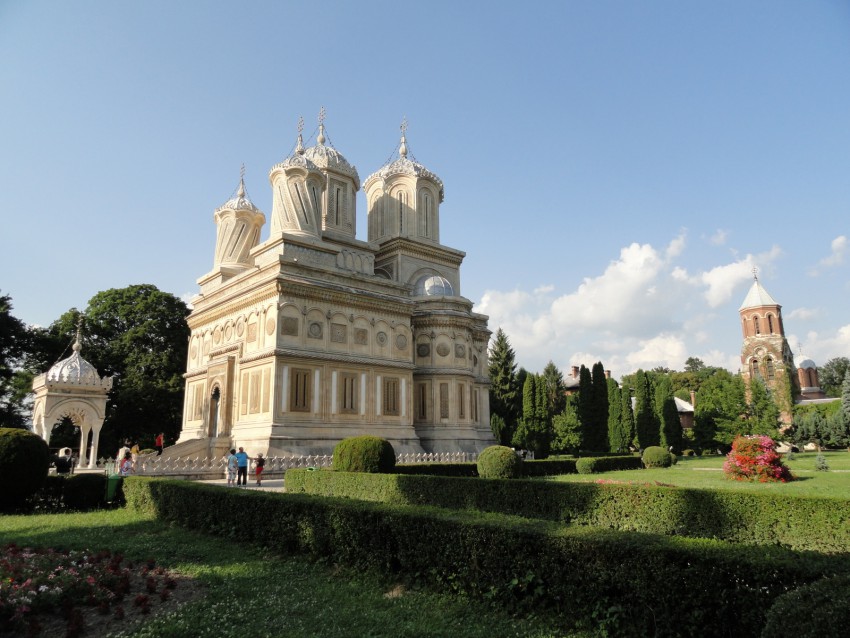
pixel 802 361
pixel 298 158
pixel 328 158
pixel 74 369
pixel 240 201
pixel 433 286
pixel 757 297
pixel 403 165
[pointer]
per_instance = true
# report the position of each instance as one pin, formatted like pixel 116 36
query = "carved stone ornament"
pixel 217 335
pixel 206 346
pixel 228 332
pixel 193 351
pixel 401 342
pixel 315 330
pixel 289 326
pixel 381 338
pixel 270 325
pixel 475 361
pixel 361 336
pixel 423 350
pixel 339 333
pixel 460 350
pixel 252 331
pixel 443 349
pixel 240 327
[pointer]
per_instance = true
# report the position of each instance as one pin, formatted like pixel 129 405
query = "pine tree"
pixel 555 388
pixel 647 425
pixel 504 391
pixel 762 410
pixel 534 428
pixel 566 426
pixel 845 399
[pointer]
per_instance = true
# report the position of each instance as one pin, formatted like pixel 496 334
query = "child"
pixel 232 465
pixel 261 463
pixel 126 466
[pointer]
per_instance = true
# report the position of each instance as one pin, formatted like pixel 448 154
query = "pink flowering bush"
pixel 754 458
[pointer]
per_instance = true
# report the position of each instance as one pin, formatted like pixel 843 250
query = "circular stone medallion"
pixel 423 349
pixel 401 342
pixel 240 326
pixel 443 350
pixel 315 330
pixel 228 332
pixel 460 350
pixel 270 324
pixel 381 338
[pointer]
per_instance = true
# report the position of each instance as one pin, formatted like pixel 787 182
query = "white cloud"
pixel 838 248
pixel 675 247
pixel 822 348
pixel 719 238
pixel 723 281
pixel 664 350
pixel 803 314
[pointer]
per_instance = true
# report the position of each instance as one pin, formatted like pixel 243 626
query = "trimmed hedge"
pixel 594 464
pixel 656 456
pixel 811 611
pixel 438 469
pixel 81 492
pixel 629 584
pixel 805 523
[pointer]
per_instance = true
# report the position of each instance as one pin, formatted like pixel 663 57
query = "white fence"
pixel 151 465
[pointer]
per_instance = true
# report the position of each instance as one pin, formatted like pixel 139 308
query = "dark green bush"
pixel 499 462
pixel 656 456
pixel 688 452
pixel 548 467
pixel 653 585
pixel 364 454
pixel 816 610
pixel 85 491
pixel 438 469
pixel 24 459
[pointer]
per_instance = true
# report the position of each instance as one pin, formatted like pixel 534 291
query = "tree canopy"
pixel 14 342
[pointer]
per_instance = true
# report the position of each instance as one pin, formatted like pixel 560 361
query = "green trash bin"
pixel 112 483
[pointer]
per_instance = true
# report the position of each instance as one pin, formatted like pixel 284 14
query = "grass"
pixel 251 592
pixel 706 473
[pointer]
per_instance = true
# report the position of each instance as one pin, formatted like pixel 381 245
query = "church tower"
pixel 765 353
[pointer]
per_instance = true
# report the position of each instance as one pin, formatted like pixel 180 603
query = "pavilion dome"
pixel 805 362
pixel 74 369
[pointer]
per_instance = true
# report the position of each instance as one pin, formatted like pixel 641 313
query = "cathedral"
pixel 313 335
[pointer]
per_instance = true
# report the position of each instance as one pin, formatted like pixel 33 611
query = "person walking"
pixel 159 443
pixel 232 465
pixel 63 462
pixel 241 468
pixel 258 468
pixel 126 467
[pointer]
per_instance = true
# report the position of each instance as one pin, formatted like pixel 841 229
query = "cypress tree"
pixel 617 442
pixel 600 408
pixel 627 418
pixel 670 434
pixel 585 407
pixel 555 388
pixel 647 425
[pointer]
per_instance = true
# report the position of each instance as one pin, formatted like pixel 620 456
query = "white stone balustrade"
pixel 204 468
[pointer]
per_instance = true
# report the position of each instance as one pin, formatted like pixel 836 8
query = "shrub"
pixel 499 462
pixel 754 458
pixel 657 456
pixel 24 459
pixel 687 452
pixel 821 464
pixel 85 491
pixel 811 611
pixel 364 454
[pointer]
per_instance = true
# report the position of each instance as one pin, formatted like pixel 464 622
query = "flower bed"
pixel 46 591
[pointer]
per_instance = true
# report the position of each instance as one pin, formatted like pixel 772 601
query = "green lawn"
pixel 253 593
pixel 706 473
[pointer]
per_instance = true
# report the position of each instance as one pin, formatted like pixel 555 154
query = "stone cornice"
pixel 327 356
pixel 345 296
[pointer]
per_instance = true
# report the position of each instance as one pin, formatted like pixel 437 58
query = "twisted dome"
pixel 74 369
pixel 404 165
pixel 240 201
pixel 328 158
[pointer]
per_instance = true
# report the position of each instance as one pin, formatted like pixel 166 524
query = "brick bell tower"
pixel 765 353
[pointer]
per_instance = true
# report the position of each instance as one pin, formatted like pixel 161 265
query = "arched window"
pixel 402 202
pixel 314 193
pixel 770 323
pixel 756 328
pixel 771 373
pixel 425 214
pixel 813 377
pixel 754 369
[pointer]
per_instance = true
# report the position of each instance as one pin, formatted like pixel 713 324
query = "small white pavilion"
pixel 72 388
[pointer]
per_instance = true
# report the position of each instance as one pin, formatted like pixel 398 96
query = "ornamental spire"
pixel 321 138
pixel 78 345
pixel 299 146
pixel 403 148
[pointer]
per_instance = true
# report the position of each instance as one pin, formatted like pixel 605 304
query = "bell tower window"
pixel 756 327
pixel 771 372
pixel 770 324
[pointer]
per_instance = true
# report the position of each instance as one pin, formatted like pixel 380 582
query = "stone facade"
pixel 312 335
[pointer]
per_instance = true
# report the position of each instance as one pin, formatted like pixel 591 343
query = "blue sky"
pixel 613 170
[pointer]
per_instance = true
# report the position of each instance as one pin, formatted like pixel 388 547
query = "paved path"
pixel 269 485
